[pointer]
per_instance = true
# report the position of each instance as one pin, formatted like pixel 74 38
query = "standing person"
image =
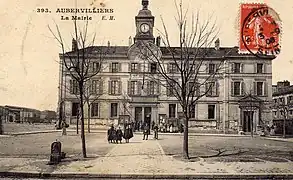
pixel 156 131
pixel 146 131
pixel 153 124
pixel 128 134
pixel 110 134
pixel 119 135
pixel 63 125
pixel 181 128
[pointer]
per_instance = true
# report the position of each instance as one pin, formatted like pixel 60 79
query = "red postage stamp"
pixel 260 30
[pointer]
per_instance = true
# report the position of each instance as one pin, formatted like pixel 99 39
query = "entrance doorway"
pixel 247 121
pixel 148 115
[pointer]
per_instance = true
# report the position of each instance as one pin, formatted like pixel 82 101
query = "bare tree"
pixel 186 71
pixel 78 64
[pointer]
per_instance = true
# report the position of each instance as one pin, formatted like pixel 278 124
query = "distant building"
pixel 283 107
pixel 21 114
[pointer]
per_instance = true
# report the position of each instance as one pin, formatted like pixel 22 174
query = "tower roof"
pixel 144 12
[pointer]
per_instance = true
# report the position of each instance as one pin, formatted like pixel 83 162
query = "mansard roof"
pixel 284 91
pixel 121 51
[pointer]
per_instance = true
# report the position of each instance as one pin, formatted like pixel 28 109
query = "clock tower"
pixel 144 24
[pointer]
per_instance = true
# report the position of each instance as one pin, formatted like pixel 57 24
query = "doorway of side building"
pixel 147 115
pixel 138 117
pixel 247 119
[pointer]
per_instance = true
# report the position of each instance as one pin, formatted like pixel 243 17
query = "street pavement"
pixel 210 154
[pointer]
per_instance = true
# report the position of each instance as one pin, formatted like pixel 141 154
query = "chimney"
pixel 158 41
pixel 129 41
pixel 74 45
pixel 108 43
pixel 283 84
pixel 217 44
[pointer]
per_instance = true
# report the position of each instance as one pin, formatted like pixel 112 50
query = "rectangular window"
pixel 259 88
pixel 94 87
pixel 211 88
pixel 133 87
pixel 74 86
pixel 153 67
pixel 237 90
pixel 114 109
pixel 134 67
pixel 237 67
pixel 192 111
pixel 115 67
pixel 212 68
pixel 172 110
pixel 275 113
pixel 259 68
pixel 96 67
pixel 114 87
pixel 74 109
pixel 173 68
pixel 94 110
pixel 193 87
pixel 211 111
pixel 170 89
pixel 291 112
pixel 152 87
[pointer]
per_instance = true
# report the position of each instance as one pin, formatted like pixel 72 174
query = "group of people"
pixel 115 135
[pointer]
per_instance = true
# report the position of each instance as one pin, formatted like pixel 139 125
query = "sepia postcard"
pixel 146 89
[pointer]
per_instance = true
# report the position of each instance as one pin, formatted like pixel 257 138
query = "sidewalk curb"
pixel 147 176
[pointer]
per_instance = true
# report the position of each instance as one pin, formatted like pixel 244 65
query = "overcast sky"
pixel 28 53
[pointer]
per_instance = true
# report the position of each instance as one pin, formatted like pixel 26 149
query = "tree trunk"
pixel 185 139
pixel 88 118
pixel 82 120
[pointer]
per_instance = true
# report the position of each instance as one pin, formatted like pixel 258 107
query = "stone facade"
pixel 122 78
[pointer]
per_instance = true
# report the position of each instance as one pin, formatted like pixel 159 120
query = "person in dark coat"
pixel 114 135
pixel 128 134
pixel 153 124
pixel 119 135
pixel 146 130
pixel 110 138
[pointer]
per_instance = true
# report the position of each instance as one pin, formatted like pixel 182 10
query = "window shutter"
pixel 119 67
pixel 119 87
pixel 233 67
pixel 255 68
pixel 128 88
pixel 101 84
pixel 264 68
pixel 242 68
pixel 129 67
pixel 71 86
pixel 139 84
pixel 149 67
pixel 168 68
pixel 254 88
pixel 138 67
pixel 110 67
pixel 158 88
pixel 232 88
pixel 217 88
pixel 217 66
pixel 242 88
pixel 207 89
pixel 207 68
pixel 148 89
pixel 265 84
pixel 109 87
pixel 167 89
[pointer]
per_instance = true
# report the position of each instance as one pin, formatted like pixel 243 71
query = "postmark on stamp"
pixel 260 29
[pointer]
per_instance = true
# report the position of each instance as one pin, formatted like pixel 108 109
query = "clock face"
pixel 144 28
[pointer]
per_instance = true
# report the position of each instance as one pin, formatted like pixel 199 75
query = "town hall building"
pixel 239 101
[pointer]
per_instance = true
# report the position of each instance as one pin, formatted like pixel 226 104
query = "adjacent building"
pixel 282 107
pixel 20 114
pixel 239 100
